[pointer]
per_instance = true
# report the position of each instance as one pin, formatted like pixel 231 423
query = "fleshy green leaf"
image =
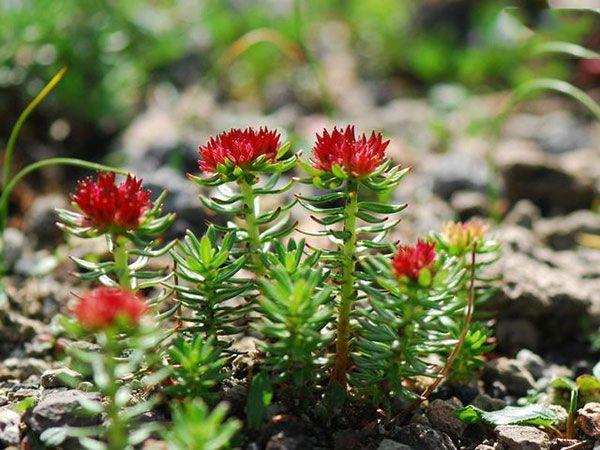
pixel 534 415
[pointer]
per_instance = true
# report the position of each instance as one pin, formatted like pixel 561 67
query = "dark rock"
pixel 485 402
pixel 347 439
pixel 40 220
pixel 511 373
pixel 10 432
pixel 60 408
pixel 20 369
pixel 458 172
pixel 513 334
pixel 422 437
pixel 561 233
pixel 440 415
pixel 530 174
pixel 516 437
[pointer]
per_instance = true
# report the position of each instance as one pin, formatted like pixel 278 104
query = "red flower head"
pixel 240 147
pixel 409 261
pixel 101 307
pixel 105 205
pixel 358 157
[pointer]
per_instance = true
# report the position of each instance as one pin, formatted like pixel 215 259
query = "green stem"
pixel 347 289
pixel 251 226
pixel 122 262
pixel 12 139
pixel 116 433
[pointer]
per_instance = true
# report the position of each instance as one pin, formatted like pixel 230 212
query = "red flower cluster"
pixel 409 261
pixel 358 157
pixel 239 147
pixel 101 307
pixel 105 205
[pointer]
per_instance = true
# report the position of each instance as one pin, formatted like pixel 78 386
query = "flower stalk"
pixel 121 257
pixel 251 226
pixel 347 290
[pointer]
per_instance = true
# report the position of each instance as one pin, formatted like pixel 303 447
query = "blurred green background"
pixel 116 50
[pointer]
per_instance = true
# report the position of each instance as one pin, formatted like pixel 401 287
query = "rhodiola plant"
pixel 131 223
pixel 347 167
pixel 127 336
pixel 245 166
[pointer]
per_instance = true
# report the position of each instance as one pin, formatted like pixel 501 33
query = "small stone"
pixel 511 373
pixel 458 171
pixel 21 369
pixel 468 204
pixel 485 402
pixel 561 233
pixel 154 444
pixel 41 218
pixel 532 362
pixel 388 444
pixel 424 438
pixel 560 423
pixel 14 244
pixel 60 408
pixel 588 419
pixel 517 437
pixel 524 214
pixel 440 415
pixel 61 377
pixel 484 447
pixel 10 432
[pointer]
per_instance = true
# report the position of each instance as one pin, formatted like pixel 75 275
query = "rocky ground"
pixel 546 312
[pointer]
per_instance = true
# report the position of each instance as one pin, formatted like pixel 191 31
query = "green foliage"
pixel 260 228
pixel 403 324
pixel 469 360
pixel 197 368
pixel 260 395
pixel 197 428
pixel 210 270
pixel 295 307
pixel 122 367
pixel 110 49
pixel 534 415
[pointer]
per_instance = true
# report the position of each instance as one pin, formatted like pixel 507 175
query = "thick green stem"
pixel 121 256
pixel 347 288
pixel 116 433
pixel 251 226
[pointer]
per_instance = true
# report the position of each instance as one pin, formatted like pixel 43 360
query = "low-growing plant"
pixel 362 317
pixel 126 336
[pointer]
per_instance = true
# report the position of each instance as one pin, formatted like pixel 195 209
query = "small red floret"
pixel 101 307
pixel 409 261
pixel 240 147
pixel 105 204
pixel 356 156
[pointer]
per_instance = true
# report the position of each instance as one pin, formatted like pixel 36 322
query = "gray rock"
pixel 60 408
pixel 560 132
pixel 517 437
pixel 529 173
pixel 10 432
pixel 487 403
pixel 422 437
pixel 532 362
pixel 40 219
pixel 20 369
pixel 561 233
pixel 588 419
pixel 458 172
pixel 469 204
pixel 561 416
pixel 388 444
pixel 511 373
pixel 14 246
pixel 440 415
pixel 551 298
pixel 61 377
pixel 524 213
